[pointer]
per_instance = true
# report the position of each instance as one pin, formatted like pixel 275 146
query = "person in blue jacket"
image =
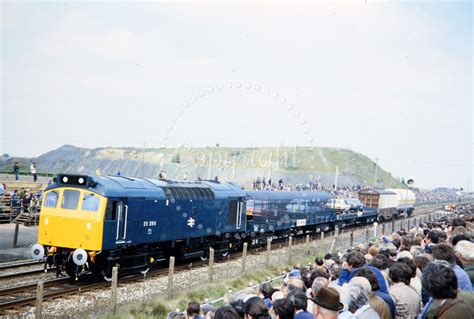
pixel 356 261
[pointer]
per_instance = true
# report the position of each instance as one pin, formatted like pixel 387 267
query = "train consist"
pixel 89 224
pixel 390 203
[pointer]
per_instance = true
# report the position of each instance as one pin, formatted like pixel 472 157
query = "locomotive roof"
pixel 122 186
pixel 284 195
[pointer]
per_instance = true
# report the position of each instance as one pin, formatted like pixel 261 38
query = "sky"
pixel 391 80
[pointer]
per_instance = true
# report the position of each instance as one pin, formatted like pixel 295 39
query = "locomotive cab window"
pixel 51 199
pixel 90 202
pixel 70 199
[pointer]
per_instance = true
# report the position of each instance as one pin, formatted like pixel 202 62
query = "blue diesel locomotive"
pixel 89 224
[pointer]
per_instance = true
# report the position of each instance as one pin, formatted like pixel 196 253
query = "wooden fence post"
pixel 308 246
pixel 15 235
pixel 322 235
pixel 244 256
pixel 113 299
pixel 351 239
pixel 393 226
pixel 171 274
pixel 211 264
pixel 375 229
pixel 367 233
pixel 333 244
pixel 290 248
pixel 269 250
pixel 39 300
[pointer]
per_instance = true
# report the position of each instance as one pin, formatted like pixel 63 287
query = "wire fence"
pixel 305 249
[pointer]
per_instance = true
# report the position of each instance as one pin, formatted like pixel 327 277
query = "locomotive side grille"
pixel 189 192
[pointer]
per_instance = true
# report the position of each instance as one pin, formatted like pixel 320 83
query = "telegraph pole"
pixel 143 157
pixel 375 172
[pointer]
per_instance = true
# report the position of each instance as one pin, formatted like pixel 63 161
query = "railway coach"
pixel 279 214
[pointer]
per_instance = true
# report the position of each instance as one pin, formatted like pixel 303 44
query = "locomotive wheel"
pixel 107 275
pixel 71 269
pixel 204 257
pixel 225 253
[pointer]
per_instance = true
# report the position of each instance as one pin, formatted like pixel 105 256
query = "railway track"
pixel 26 268
pixel 17 264
pixel 25 295
pixel 21 274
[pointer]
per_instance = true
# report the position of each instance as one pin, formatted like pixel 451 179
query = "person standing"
pixel 34 171
pixel 97 171
pixel 16 170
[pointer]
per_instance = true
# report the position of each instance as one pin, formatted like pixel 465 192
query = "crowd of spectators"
pixel 426 271
pixel 269 184
pixel 438 195
pixel 20 201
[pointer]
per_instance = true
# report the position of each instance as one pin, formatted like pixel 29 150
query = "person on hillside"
pixel 34 172
pixel 97 171
pixel 16 170
pixel 162 175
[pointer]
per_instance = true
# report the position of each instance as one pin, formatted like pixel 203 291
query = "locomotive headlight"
pixel 81 180
pixel 37 251
pixel 79 256
pixel 65 179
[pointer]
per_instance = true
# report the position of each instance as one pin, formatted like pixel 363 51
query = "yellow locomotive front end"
pixel 70 230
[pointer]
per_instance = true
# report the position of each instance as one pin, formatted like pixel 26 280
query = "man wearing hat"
pixel 327 303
